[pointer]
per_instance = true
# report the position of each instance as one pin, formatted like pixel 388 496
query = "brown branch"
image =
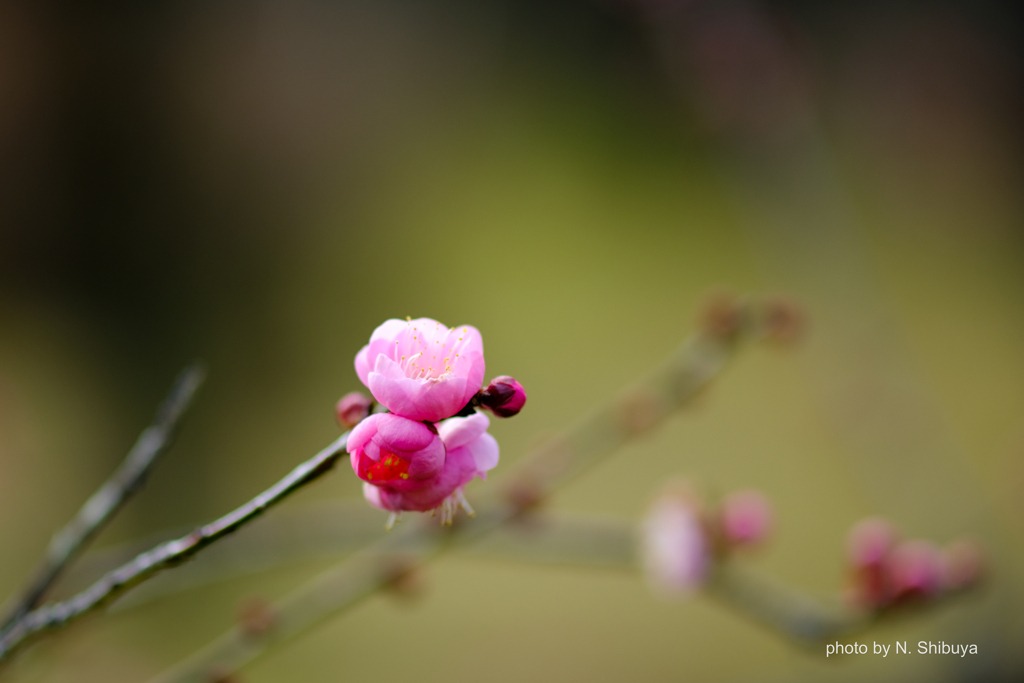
pixel 116 582
pixel 105 503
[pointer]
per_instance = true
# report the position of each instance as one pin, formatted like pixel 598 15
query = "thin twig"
pixel 105 503
pixel 331 530
pixel 114 583
pixel 580 447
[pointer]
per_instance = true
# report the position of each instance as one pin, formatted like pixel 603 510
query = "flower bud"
pixel 746 518
pixel 783 320
pixel 721 316
pixel 352 409
pixel 256 617
pixel 675 548
pixel 964 563
pixel 868 546
pixel 916 570
pixel 504 396
pixel 869 541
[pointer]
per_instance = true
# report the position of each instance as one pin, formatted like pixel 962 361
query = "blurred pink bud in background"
pixel 916 570
pixel 746 518
pixel 867 547
pixel 869 541
pixel 965 563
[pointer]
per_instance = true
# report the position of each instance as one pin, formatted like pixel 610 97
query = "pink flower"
pixel 468 452
pixel 395 451
pixel 421 369
pixel 675 549
pixel 746 517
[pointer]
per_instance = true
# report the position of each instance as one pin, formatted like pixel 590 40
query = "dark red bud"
pixel 504 396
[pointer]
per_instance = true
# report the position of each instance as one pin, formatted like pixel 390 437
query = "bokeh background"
pixel 260 184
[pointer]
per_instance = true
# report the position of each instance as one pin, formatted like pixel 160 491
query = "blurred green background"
pixel 260 184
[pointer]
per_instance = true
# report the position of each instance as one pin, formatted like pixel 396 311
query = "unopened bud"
pixel 869 541
pixel 746 518
pixel 524 493
pixel 721 316
pixel 916 569
pixel 783 320
pixel 868 546
pixel 404 578
pixel 965 563
pixel 221 674
pixel 352 408
pixel 256 617
pixel 504 396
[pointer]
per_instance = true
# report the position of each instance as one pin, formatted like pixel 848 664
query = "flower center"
pixel 390 466
pixel 426 353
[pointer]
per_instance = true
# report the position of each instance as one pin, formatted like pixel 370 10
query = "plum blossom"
pixel 405 465
pixel 675 548
pixel 395 451
pixel 421 369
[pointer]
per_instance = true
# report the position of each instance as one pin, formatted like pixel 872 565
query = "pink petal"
pixel 363 365
pixel 373 497
pixel 395 432
pixel 485 454
pixel 459 431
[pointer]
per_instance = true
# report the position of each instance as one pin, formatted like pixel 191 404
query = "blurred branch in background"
pixel 105 503
pixel 752 79
pixel 548 538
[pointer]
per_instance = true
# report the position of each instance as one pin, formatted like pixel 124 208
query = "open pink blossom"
pixel 390 450
pixel 421 369
pixel 470 452
pixel 675 549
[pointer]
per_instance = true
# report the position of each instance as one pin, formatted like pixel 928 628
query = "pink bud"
pixel 868 546
pixel 746 517
pixel 504 396
pixel 916 569
pixel 964 562
pixel 869 541
pixel 675 549
pixel 352 408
